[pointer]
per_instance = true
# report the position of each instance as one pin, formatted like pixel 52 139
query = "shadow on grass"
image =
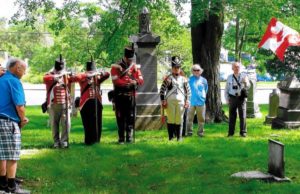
pixel 153 164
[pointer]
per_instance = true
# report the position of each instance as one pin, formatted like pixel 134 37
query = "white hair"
pixel 197 66
pixel 13 61
pixel 238 63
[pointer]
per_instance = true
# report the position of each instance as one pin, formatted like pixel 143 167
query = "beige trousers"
pixel 200 111
pixel 58 116
pixel 175 110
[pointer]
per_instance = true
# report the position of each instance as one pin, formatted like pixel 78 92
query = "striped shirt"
pixel 175 87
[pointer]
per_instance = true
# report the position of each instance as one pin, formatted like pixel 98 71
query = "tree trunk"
pixel 206 46
pixel 237 37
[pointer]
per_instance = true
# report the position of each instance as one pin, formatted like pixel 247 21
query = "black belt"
pixel 233 96
pixel 5 118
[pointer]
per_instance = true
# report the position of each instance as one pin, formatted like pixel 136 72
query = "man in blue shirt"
pixel 12 119
pixel 199 87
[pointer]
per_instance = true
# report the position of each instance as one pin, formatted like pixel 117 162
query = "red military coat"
pixel 87 85
pixel 55 86
pixel 121 79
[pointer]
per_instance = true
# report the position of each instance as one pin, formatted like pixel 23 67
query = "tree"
pixel 247 21
pixel 290 66
pixel 207 31
pixel 111 28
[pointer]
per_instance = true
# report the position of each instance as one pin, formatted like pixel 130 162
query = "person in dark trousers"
pixel 12 120
pixel 126 77
pixel 236 82
pixel 90 104
pixel 175 95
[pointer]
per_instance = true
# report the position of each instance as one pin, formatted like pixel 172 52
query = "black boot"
pixel 15 188
pixel 3 183
pixel 170 131
pixel 178 132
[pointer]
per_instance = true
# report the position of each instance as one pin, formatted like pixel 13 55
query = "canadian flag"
pixel 278 38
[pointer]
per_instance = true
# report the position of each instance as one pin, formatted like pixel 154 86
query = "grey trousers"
pixel 58 116
pixel 236 104
pixel 200 112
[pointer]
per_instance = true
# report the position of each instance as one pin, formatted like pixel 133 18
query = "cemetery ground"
pixel 153 164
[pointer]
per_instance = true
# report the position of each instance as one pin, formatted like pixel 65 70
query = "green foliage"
pixel 254 16
pixel 153 164
pixel 78 30
pixel 290 66
pixel 34 78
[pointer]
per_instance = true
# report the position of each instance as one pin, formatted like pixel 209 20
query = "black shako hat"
pixel 90 66
pixel 175 61
pixel 129 52
pixel 59 63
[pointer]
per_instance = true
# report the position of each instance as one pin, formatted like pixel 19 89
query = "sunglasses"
pixel 196 69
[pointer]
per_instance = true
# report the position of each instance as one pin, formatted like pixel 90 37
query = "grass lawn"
pixel 153 164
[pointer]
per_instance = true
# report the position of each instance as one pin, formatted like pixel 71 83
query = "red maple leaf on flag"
pixel 278 37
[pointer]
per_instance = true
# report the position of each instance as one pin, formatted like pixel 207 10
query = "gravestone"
pixel 273 106
pixel 276 158
pixel 252 107
pixel 148 101
pixel 275 166
pixel 288 112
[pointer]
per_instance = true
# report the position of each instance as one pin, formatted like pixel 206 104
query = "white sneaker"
pixel 56 145
pixel 64 145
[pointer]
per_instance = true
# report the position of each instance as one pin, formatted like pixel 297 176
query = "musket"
pixel 96 105
pixel 96 102
pixel 134 114
pixel 162 115
pixel 65 78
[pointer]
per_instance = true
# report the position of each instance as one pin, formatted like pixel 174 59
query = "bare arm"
pixel 21 114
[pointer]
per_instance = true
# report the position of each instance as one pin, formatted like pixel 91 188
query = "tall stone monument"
pixel 148 102
pixel 288 113
pixel 273 106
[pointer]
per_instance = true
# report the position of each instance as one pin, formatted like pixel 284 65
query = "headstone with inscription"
pixel 288 112
pixel 148 101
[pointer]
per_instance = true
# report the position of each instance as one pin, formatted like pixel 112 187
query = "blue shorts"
pixel 10 140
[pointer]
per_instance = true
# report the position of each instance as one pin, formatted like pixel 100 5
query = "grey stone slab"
pixel 260 176
pixel 276 158
pixel 148 122
pixel 148 109
pixel 288 112
pixel 252 175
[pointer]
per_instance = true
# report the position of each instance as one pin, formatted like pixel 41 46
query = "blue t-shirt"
pixel 11 95
pixel 199 89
